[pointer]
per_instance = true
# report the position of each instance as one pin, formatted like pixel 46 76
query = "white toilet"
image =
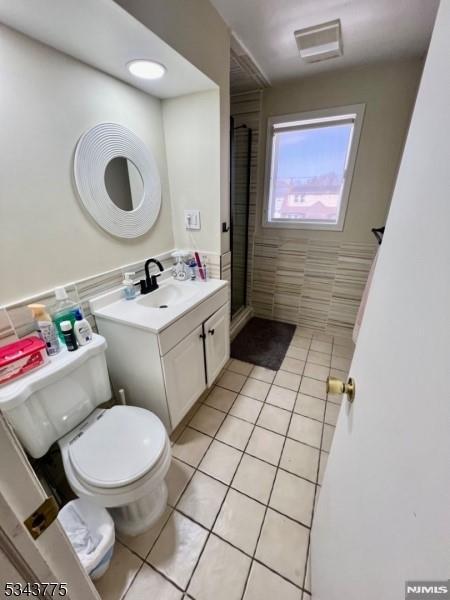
pixel 117 458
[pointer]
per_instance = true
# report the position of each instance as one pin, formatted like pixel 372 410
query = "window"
pixel 310 161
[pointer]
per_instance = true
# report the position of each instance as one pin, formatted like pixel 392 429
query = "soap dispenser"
pixel 129 290
pixel 179 271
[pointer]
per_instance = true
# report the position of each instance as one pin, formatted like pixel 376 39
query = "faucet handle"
pixel 153 284
pixel 143 284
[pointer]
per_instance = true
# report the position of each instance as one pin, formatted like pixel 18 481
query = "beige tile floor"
pixel 246 471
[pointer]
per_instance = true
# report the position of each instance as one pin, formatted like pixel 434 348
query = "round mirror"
pixel 124 183
pixel 117 180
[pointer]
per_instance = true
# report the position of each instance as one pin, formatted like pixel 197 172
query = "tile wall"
pixel 312 283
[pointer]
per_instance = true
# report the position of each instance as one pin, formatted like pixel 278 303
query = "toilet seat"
pixel 120 446
pixel 138 502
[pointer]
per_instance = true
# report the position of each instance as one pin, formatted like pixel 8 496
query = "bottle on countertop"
pixel 69 335
pixel 179 270
pixel 205 268
pixel 64 310
pixel 129 291
pixel 192 265
pixel 45 328
pixel 82 329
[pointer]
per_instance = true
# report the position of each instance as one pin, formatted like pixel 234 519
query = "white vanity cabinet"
pixel 195 362
pixel 167 371
pixel 184 374
pixel 217 342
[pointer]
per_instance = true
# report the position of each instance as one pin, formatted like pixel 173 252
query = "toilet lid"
pixel 119 447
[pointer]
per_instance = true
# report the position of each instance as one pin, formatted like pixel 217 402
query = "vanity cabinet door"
pixel 184 374
pixel 217 342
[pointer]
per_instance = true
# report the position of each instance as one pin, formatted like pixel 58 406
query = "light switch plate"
pixel 192 219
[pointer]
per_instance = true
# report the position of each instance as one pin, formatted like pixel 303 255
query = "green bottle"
pixel 64 310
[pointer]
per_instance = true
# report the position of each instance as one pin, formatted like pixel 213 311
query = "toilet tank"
pixel 50 401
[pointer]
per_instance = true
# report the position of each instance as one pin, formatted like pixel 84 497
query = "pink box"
pixel 21 357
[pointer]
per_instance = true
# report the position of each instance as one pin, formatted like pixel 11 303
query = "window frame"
pixel 354 111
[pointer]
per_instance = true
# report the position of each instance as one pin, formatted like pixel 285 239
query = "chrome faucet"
pixel 149 284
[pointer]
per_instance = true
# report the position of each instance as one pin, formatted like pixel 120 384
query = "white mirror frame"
pixel 95 149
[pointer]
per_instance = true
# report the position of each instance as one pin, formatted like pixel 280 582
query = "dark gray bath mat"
pixel 263 342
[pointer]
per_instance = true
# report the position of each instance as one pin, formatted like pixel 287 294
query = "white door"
pixel 49 558
pixel 383 510
pixel 217 342
pixel 184 373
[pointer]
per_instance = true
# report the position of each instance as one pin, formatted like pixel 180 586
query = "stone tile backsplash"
pixel 20 315
pixel 316 284
pixel 7 333
pixel 15 318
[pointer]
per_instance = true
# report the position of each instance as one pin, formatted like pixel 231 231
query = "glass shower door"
pixel 241 143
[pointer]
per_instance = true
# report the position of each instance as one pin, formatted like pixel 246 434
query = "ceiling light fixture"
pixel 146 69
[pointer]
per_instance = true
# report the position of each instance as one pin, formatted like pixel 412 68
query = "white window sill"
pixel 308 226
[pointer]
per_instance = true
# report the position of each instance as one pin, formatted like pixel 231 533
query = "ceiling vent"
pixel 320 42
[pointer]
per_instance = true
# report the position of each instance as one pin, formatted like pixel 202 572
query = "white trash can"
pixel 90 528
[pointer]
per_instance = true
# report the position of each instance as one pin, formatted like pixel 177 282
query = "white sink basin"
pixel 159 309
pixel 168 295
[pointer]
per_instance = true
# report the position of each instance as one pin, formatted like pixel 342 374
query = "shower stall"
pixel 240 164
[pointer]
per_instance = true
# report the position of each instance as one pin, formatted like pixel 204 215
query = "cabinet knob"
pixel 211 331
pixel 202 336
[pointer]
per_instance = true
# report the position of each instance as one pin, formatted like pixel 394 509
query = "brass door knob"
pixel 338 387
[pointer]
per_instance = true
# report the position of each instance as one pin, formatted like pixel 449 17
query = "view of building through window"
pixel 308 171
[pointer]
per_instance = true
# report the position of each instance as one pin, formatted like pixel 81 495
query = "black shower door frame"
pixel 232 183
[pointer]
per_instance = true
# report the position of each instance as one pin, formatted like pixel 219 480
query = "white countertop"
pixel 115 307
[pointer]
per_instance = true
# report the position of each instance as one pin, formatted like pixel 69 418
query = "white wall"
pixel 383 512
pixel 47 101
pixel 192 134
pixel 388 90
pixel 196 30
